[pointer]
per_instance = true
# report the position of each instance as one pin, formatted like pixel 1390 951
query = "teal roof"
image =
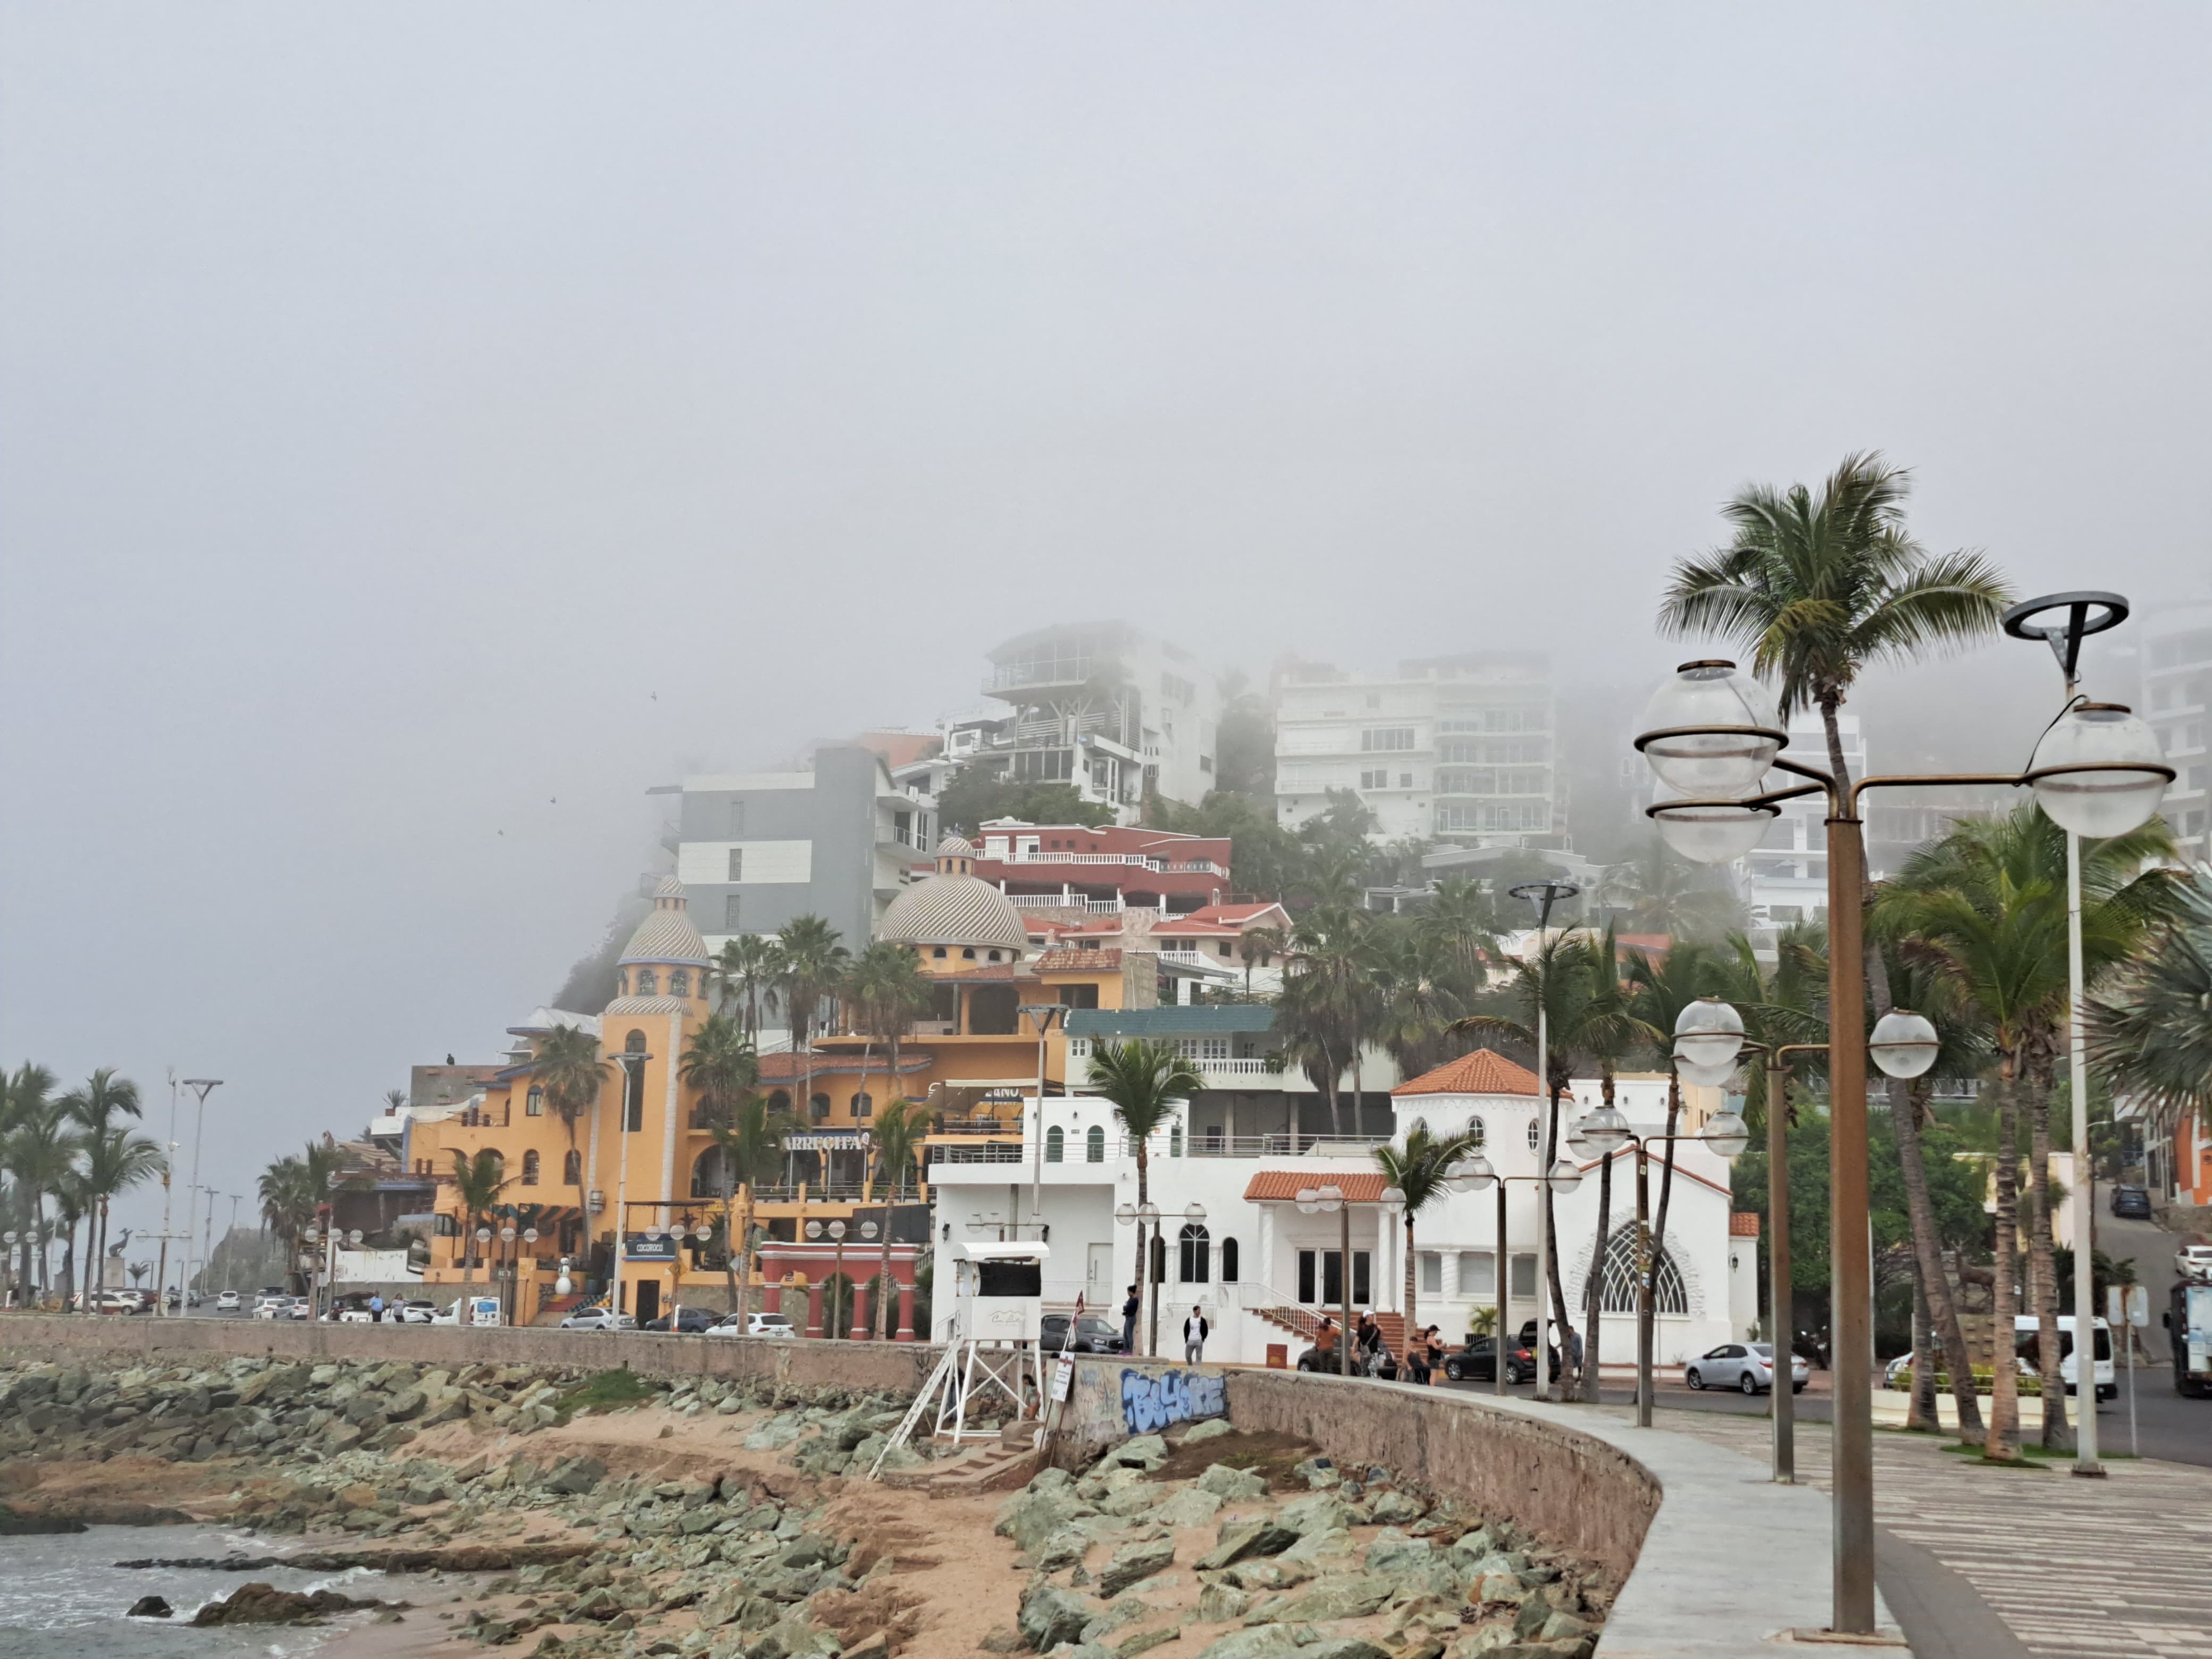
pixel 1205 1019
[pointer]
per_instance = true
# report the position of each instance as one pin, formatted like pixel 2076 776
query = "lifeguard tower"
pixel 997 1320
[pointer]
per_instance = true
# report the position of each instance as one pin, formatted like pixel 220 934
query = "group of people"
pixel 1425 1348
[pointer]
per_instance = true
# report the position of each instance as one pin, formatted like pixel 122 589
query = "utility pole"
pixel 203 1086
pixel 168 1166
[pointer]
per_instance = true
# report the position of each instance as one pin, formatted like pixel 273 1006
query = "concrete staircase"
pixel 994 1466
pixel 1305 1323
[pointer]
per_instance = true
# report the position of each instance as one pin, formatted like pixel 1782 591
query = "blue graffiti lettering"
pixel 1150 1403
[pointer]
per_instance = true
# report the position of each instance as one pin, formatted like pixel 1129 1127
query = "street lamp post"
pixel 1712 734
pixel 1044 1013
pixel 203 1087
pixel 1543 895
pixel 1474 1175
pixel 633 1065
pixel 1143 1216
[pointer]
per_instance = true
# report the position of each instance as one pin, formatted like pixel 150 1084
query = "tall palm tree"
pixel 115 1160
pixel 745 968
pixel 1143 1081
pixel 811 963
pixel 93 1106
pixel 719 1063
pixel 1664 893
pixel 1460 929
pixel 36 1148
pixel 568 1067
pixel 1414 996
pixel 477 1182
pixel 752 1144
pixel 1417 1170
pixel 1610 1041
pixel 1258 945
pixel 885 987
pixel 1818 588
pixel 2150 1034
pixel 1330 999
pixel 896 1131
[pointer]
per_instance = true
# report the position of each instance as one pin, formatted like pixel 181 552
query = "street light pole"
pixel 1043 1013
pixel 201 1086
pixel 1543 895
pixel 168 1162
pixel 633 1066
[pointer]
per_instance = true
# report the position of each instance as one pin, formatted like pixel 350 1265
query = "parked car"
pixel 591 1319
pixel 2026 1337
pixel 2193 1261
pixel 272 1307
pixel 417 1312
pixel 303 1307
pixel 2132 1201
pixel 752 1324
pixel 450 1315
pixel 226 1302
pixel 1747 1367
pixel 684 1322
pixel 1475 1362
pixel 355 1316
pixel 1092 1335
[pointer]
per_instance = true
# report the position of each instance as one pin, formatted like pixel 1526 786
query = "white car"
pixel 2193 1262
pixel 753 1324
pixel 227 1302
pixel 447 1315
pixel 411 1313
pixel 598 1319
pixel 272 1307
pixel 355 1316
pixel 1747 1367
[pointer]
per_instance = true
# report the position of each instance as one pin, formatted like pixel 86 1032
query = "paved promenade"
pixel 2114 1569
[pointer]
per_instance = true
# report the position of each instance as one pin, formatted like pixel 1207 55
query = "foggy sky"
pixel 423 428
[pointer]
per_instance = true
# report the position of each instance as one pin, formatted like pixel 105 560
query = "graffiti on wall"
pixel 1152 1400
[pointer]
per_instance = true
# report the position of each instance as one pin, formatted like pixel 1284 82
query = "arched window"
pixel 1194 1255
pixel 679 982
pixel 1477 1135
pixel 648 982
pixel 1617 1290
pixel 779 1100
pixel 708 1172
pixel 530 1169
pixel 572 1170
pixel 864 1104
pixel 533 1105
pixel 1055 1144
pixel 937 952
pixel 634 1043
pixel 1535 1141
pixel 1229 1261
pixel 1175 1140
pixel 1094 1144
pixel 498 1162
pixel 818 1109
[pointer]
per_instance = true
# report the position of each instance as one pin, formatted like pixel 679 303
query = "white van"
pixel 2024 1329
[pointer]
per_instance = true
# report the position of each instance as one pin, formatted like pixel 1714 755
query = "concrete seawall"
pixel 797 1362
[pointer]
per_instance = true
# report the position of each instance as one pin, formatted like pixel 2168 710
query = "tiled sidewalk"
pixel 2114 1569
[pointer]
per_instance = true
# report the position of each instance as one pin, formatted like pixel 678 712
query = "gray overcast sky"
pixel 423 427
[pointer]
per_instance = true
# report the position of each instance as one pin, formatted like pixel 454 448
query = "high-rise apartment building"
pixel 755 850
pixel 1101 706
pixel 1459 749
pixel 2177 701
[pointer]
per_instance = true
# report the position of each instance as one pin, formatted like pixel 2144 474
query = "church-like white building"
pixel 1237 1245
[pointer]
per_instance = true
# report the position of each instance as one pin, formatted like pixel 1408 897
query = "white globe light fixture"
pixel 1711 730
pixel 1194 1214
pixel 1713 831
pixel 1709 1032
pixel 1564 1177
pixel 1328 1199
pixel 1695 1076
pixel 1394 1198
pixel 1126 1214
pixel 1727 1134
pixel 1470 1175
pixel 1309 1201
pixel 1903 1043
pixel 1148 1214
pixel 2099 771
pixel 1605 1131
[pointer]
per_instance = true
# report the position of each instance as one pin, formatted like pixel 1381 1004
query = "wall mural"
pixel 1152 1400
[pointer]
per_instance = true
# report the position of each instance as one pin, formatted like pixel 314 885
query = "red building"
pixel 1070 867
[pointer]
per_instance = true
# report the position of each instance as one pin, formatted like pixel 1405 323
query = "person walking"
pixel 376 1309
pixel 1130 1309
pixel 1193 1337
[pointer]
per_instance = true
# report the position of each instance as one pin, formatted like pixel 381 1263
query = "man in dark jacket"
pixel 1129 1311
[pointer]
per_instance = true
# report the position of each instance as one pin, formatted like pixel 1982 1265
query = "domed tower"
pixel 666 957
pixel 955 919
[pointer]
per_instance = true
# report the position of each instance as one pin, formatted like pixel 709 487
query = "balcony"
pixel 1041 672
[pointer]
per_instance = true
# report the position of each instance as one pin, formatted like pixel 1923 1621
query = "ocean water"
pixel 62 1596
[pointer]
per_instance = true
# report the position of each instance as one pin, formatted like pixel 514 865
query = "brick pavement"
pixel 2114 1569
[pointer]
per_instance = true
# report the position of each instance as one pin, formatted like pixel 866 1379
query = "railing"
pixel 1250 1067
pixel 1282 1145
pixel 1041 857
pixel 980 1126
pixel 1048 671
pixel 992 1151
pixel 1197 959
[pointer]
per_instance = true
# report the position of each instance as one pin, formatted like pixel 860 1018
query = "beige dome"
pixel 668 935
pixel 955 847
pixel 954 909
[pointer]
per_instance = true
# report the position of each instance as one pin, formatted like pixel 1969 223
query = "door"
pixel 1330 1264
pixel 1099 1277
pixel 648 1300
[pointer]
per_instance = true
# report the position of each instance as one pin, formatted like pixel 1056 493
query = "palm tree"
pixel 719 1063
pixel 1142 1081
pixel 93 1106
pixel 898 1130
pixel 1664 893
pixel 568 1067
pixel 752 1144
pixel 1256 945
pixel 1609 1042
pixel 477 1182
pixel 1329 999
pixel 1818 589
pixel 886 988
pixel 811 963
pixel 743 967
pixel 37 1149
pixel 115 1160
pixel 2151 1033
pixel 395 1102
pixel 1459 928
pixel 1418 1171
pixel 1414 996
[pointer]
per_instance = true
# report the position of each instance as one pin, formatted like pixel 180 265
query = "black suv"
pixel 2133 1202
pixel 690 1322
pixel 1093 1335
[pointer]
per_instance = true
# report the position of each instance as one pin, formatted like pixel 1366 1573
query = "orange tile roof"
pixel 1482 1072
pixel 1743 1224
pixel 1271 1186
pixel 1061 962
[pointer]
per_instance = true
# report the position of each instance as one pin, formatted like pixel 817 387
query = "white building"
pixel 1263 1271
pixel 1113 711
pixel 2177 701
pixel 1453 748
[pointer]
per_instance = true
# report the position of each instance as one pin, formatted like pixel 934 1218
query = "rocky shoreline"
pixel 610 1516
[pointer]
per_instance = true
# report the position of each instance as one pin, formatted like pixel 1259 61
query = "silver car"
pixel 598 1319
pixel 1747 1367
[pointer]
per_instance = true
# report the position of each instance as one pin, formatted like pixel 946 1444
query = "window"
pixel 530 1169
pixel 1227 1260
pixel 1194 1255
pixel 1432 1273
pixel 1524 1275
pixel 1055 1144
pixel 634 1085
pixel 937 953
pixel 779 1101
pixel 533 1103
pixel 648 982
pixel 1535 1135
pixel 1094 1144
pixel 737 864
pixel 572 1169
pixel 1379 779
pixel 1175 1140
pixel 621 983
pixel 1617 1290
pixel 1374 700
pixel 1376 739
pixel 1477 1274
pixel 864 1104
pixel 737 820
pixel 818 1109
pixel 1476 1133
pixel 1405 779
pixel 679 982
pixel 967 953
pixel 730 908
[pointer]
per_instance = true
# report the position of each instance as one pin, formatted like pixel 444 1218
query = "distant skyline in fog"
pixel 423 430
